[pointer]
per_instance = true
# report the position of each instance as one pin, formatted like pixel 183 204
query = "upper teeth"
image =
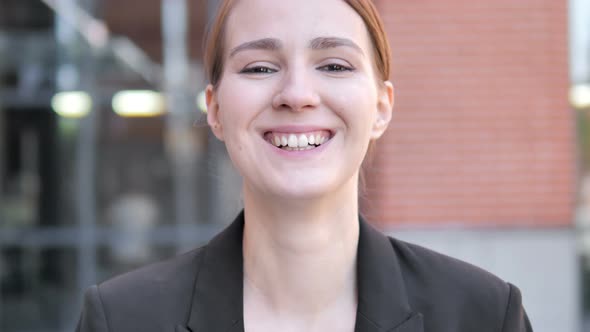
pixel 298 140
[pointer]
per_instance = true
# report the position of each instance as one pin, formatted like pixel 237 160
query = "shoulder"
pixel 448 290
pixel 151 298
pixel 432 268
pixel 175 271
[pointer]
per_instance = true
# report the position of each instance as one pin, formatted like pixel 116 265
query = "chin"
pixel 303 194
pixel 305 189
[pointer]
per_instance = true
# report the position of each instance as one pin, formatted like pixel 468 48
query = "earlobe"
pixel 213 112
pixel 384 110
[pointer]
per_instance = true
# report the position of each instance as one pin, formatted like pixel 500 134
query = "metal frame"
pixel 87 236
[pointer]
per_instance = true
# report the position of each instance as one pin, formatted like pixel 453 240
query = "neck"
pixel 300 255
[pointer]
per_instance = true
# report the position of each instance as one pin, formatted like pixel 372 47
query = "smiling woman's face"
pixel 299 98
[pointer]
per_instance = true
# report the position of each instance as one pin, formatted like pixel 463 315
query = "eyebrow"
pixel 273 44
pixel 270 44
pixel 321 43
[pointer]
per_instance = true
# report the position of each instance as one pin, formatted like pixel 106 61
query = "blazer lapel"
pixel 412 324
pixel 383 302
pixel 181 328
pixel 217 304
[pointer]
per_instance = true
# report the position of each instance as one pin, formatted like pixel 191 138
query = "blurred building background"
pixel 487 158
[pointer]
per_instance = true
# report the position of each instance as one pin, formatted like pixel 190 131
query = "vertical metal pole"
pixel 73 74
pixel 2 157
pixel 179 136
pixel 86 191
pixel 87 149
pixel 2 154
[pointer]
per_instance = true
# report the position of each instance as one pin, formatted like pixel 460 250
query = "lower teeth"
pixel 309 147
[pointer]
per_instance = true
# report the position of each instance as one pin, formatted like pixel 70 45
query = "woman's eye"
pixel 335 68
pixel 258 70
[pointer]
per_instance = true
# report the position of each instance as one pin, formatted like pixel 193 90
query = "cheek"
pixel 242 100
pixel 355 103
pixel 240 104
pixel 231 113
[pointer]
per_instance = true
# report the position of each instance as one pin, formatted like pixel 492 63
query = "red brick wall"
pixel 482 134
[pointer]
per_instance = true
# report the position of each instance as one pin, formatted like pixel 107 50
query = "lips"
pixel 297 141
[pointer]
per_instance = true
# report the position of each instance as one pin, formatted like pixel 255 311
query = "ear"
pixel 213 112
pixel 384 110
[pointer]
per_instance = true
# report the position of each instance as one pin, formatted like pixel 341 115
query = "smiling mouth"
pixel 298 141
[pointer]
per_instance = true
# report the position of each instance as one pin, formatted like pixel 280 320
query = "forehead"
pixel 294 22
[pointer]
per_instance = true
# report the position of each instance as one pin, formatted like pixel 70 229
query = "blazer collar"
pixel 217 303
pixel 382 299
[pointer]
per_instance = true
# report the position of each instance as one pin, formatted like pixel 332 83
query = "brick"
pixel 482 134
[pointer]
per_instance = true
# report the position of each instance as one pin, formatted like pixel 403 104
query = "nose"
pixel 297 92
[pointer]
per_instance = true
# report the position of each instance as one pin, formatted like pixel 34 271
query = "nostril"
pixel 296 99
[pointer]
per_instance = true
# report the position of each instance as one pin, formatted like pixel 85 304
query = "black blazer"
pixel 401 288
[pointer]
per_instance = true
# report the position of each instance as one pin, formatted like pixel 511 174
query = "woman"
pixel 299 90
